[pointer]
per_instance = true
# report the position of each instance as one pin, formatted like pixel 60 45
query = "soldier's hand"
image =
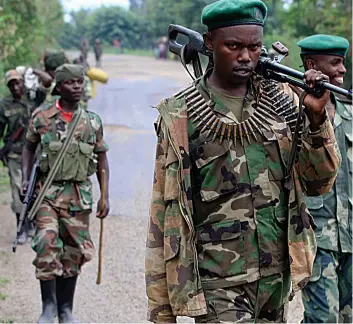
pixel 315 107
pixel 23 190
pixel 105 212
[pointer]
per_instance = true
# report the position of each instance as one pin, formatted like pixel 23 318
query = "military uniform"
pixel 62 242
pixel 328 296
pixel 226 237
pixel 15 114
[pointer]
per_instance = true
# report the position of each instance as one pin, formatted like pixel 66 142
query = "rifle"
pixel 268 68
pixel 27 202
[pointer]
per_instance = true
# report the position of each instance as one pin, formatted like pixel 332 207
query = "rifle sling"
pixel 55 168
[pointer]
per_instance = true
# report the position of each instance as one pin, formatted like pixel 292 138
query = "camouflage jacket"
pixel 332 212
pixel 15 115
pixel 173 280
pixel 75 196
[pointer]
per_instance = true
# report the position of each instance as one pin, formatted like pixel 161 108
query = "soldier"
pixel 227 234
pixel 62 242
pixel 52 60
pixel 328 296
pixel 15 111
pixel 98 51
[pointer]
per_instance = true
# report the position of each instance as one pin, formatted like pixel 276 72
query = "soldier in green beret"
pixel 229 233
pixel 328 296
pixel 62 241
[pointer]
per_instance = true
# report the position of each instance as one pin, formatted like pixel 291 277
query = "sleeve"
pixel 159 309
pixel 3 122
pixel 319 159
pixel 33 135
pixel 100 145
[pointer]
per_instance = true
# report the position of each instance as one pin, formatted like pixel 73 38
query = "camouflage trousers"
pixel 327 298
pixel 15 174
pixel 62 242
pixel 262 301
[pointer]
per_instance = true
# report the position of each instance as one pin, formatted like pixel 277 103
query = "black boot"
pixel 24 233
pixel 65 296
pixel 49 304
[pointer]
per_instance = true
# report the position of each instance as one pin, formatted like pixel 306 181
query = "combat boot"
pixel 65 295
pixel 24 233
pixel 49 304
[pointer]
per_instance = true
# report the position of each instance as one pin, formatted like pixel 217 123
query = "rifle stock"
pixel 27 202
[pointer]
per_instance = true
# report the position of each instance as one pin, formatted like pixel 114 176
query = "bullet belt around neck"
pixel 271 102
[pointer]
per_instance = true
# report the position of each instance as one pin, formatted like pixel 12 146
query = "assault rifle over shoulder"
pixel 268 68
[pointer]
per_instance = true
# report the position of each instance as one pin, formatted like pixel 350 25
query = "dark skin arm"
pixel 28 155
pixel 103 165
pixel 45 78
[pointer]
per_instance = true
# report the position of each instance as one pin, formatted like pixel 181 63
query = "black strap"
pixel 293 153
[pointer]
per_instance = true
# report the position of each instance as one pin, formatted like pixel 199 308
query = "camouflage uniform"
pixel 223 230
pixel 15 114
pixel 62 241
pixel 328 296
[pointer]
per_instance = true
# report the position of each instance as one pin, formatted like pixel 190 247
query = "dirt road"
pixel 124 103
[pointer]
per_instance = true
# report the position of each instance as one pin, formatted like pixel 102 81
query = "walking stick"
pixel 100 251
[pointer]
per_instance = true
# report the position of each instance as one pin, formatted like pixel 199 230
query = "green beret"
pixel 324 45
pixel 225 13
pixel 54 59
pixel 68 72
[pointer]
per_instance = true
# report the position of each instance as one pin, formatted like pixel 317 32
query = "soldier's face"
pixel 236 51
pixel 71 90
pixel 331 65
pixel 17 88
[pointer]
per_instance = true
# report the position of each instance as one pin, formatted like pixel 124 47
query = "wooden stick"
pixel 100 251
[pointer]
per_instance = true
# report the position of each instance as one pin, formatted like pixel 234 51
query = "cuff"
pixel 324 133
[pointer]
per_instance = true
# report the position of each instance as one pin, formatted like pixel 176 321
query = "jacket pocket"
pixel 216 174
pixel 274 159
pixel 314 203
pixel 171 186
pixel 220 249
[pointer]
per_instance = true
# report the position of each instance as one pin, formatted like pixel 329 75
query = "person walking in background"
pixel 98 51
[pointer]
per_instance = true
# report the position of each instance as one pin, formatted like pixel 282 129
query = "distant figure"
pixel 98 51
pixel 84 48
pixel 117 45
pixel 162 48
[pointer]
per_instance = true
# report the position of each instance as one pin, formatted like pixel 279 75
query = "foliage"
pixel 26 28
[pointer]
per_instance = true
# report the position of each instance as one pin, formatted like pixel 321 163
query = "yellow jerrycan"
pixel 99 75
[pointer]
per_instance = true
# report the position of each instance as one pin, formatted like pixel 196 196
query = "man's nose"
pixel 342 69
pixel 244 56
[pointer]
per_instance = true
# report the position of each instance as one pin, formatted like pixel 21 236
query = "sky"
pixel 77 4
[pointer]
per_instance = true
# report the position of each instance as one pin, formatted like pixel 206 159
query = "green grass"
pixel 3 283
pixel 4 179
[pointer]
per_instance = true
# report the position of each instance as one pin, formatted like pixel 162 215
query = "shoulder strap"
pixel 72 128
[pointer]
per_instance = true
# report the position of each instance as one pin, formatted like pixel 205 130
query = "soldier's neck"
pixel 68 106
pixel 235 90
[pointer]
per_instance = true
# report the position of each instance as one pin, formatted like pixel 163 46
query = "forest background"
pixel 28 27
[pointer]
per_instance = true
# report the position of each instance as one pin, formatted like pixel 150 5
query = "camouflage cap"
pixel 226 13
pixel 12 75
pixel 52 60
pixel 324 45
pixel 68 72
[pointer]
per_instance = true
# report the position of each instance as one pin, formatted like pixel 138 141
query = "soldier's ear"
pixel 310 63
pixel 207 38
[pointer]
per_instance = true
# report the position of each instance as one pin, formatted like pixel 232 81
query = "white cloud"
pixel 77 4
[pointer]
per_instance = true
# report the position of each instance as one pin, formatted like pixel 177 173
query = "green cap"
pixel 67 72
pixel 324 45
pixel 54 59
pixel 226 13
